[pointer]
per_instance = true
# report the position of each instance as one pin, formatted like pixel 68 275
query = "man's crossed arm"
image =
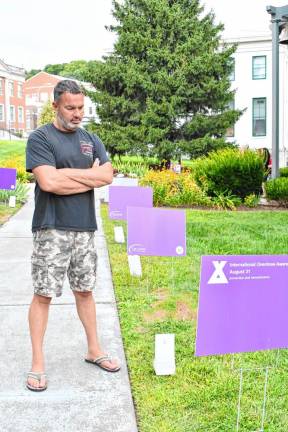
pixel 69 181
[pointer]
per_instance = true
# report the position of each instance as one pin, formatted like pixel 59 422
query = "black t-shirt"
pixel 50 146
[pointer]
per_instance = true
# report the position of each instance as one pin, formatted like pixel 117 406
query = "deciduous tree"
pixel 47 114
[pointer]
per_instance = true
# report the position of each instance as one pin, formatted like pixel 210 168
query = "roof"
pixel 249 38
pixel 61 78
pixel 12 69
pixel 83 83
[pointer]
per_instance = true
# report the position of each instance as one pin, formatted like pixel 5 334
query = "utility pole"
pixel 279 19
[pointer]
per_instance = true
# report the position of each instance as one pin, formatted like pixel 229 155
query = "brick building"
pixel 12 99
pixel 39 89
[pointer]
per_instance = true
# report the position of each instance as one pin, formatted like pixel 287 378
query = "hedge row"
pixel 230 171
pixel 277 190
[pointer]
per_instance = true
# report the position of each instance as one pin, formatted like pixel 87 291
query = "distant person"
pixel 68 163
pixel 265 154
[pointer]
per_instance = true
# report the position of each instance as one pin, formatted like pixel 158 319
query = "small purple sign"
pixel 156 232
pixel 243 304
pixel 8 178
pixel 120 197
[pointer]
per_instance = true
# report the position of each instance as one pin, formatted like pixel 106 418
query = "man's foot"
pixel 103 361
pixel 36 381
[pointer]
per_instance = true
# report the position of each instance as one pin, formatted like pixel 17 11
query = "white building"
pixel 252 82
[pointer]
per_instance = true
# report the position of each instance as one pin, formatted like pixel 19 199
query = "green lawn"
pixel 203 395
pixel 12 148
pixel 6 212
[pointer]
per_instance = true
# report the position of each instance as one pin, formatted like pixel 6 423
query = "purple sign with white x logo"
pixel 8 178
pixel 243 304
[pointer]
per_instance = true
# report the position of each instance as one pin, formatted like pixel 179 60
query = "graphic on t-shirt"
pixel 49 146
pixel 86 148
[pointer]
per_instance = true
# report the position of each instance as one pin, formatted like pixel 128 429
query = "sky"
pixel 34 33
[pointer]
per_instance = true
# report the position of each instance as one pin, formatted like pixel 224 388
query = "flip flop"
pixel 98 360
pixel 37 376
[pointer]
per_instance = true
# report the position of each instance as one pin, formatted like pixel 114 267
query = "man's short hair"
pixel 66 86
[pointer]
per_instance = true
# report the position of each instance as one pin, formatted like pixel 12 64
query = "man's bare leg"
pixel 87 313
pixel 38 317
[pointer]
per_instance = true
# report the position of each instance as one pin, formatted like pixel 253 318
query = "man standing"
pixel 68 163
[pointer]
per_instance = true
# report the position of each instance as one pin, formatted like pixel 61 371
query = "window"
pixel 90 110
pixel 1 112
pixel 11 88
pixel 20 114
pixel 12 113
pixel 20 90
pixel 44 97
pixel 232 73
pixel 1 86
pixel 231 130
pixel 259 116
pixel 35 97
pixel 258 67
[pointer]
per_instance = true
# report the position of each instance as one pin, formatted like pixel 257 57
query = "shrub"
pixel 47 114
pixel 21 193
pixel 130 169
pixel 18 162
pixel 226 201
pixel 283 172
pixel 229 171
pixel 251 200
pixel 175 190
pixel 277 189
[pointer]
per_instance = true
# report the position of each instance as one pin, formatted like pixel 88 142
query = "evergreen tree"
pixel 165 88
pixel 75 69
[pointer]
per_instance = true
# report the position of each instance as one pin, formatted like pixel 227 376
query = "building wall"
pixel 2 103
pixel 12 106
pixel 39 89
pixel 246 88
pixel 17 106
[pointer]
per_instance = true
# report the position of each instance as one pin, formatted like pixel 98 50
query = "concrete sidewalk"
pixel 80 396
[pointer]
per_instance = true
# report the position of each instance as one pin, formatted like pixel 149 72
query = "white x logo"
pixel 218 276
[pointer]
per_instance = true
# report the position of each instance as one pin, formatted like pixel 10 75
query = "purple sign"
pixel 120 197
pixel 8 178
pixel 243 304
pixel 156 232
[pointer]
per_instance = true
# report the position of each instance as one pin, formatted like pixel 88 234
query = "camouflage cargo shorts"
pixel 57 253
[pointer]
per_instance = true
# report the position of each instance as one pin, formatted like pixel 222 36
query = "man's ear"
pixel 54 105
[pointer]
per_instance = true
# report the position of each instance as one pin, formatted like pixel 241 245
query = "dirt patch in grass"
pixel 141 330
pixel 184 312
pixel 157 315
pixel 162 294
pixel 159 311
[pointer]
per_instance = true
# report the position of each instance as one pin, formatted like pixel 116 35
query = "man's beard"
pixel 66 124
